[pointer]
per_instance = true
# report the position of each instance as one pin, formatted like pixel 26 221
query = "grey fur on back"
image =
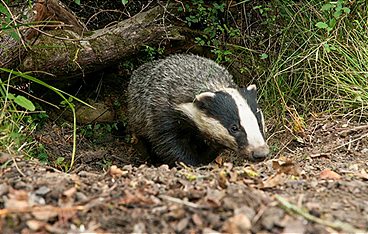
pixel 168 82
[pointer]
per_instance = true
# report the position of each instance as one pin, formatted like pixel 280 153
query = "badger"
pixel 187 108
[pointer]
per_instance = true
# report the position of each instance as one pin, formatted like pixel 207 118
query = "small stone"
pixel 4 189
pixel 42 190
pixel 81 197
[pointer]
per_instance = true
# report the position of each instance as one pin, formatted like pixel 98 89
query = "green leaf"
pixel 264 56
pixel 10 96
pixel 346 10
pixel 77 2
pixel 4 10
pixel 337 14
pixel 25 103
pixel 321 25
pixel 124 2
pixel 332 23
pixel 14 34
pixel 327 7
pixel 327 48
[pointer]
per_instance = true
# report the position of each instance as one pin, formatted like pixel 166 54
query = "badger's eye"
pixel 234 128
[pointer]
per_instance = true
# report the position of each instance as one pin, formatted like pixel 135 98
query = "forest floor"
pixel 316 184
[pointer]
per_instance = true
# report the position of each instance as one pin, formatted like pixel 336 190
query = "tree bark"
pixel 71 51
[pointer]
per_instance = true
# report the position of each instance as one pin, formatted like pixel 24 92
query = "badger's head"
pixel 232 118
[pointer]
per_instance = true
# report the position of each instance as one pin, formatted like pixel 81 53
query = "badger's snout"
pixel 255 153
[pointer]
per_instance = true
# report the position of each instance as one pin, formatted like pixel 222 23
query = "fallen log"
pixel 70 50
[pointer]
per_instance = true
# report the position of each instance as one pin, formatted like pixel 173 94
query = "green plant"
pixel 97 131
pixel 17 122
pixel 152 52
pixel 336 11
pixel 62 94
pixel 208 18
pixel 314 70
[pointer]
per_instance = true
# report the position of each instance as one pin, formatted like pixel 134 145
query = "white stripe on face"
pixel 247 120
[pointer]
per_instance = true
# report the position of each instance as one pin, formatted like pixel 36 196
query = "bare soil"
pixel 313 183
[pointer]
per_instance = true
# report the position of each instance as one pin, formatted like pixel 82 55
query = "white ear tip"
pixel 251 87
pixel 203 95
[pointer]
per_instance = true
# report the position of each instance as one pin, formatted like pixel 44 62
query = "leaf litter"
pixel 317 185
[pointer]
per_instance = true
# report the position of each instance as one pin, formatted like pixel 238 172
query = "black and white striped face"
pixel 232 118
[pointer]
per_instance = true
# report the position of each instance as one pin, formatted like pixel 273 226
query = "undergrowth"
pixel 306 57
pixel 319 61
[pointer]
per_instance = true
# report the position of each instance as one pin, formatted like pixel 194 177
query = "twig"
pixel 337 225
pixel 344 132
pixel 7 211
pixel 348 143
pixel 16 166
pixel 179 201
pixel 320 155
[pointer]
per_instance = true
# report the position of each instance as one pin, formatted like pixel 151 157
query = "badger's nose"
pixel 260 153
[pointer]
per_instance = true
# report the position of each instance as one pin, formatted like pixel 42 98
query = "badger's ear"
pixel 250 92
pixel 200 102
pixel 204 96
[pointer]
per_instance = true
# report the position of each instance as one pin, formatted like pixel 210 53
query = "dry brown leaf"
pixel 4 157
pixel 274 180
pixel 182 224
pixel 197 220
pixel 18 194
pixel 237 224
pixel 222 179
pixel 219 160
pixel 116 172
pixel 44 213
pixel 70 192
pixel 287 167
pixel 68 197
pixel 214 197
pixel 136 198
pixel 363 174
pixel 18 199
pixel 35 225
pixel 329 175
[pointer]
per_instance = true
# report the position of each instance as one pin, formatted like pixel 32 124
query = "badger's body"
pixel 187 108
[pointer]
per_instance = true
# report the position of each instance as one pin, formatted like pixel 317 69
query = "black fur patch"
pixel 223 108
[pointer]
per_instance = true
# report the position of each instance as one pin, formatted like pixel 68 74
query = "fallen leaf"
pixel 197 220
pixel 182 224
pixel 4 157
pixel 18 199
pixel 222 179
pixel 274 180
pixel 35 225
pixel 328 174
pixel 287 167
pixel 136 198
pixel 117 172
pixel 237 224
pixel 70 192
pixel 67 199
pixel 214 197
pixel 249 171
pixel 44 213
pixel 219 160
